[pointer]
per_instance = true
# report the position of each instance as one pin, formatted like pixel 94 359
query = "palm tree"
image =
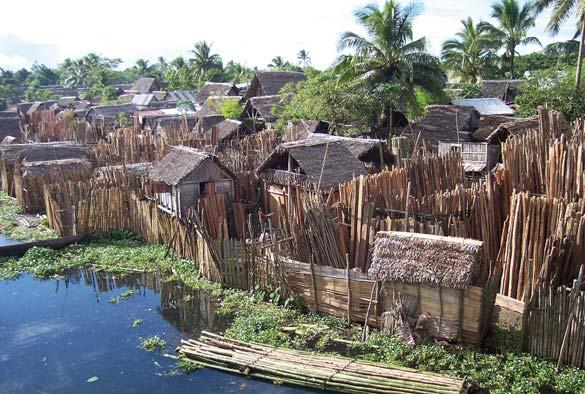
pixel 466 53
pixel 237 72
pixel 161 64
pixel 278 63
pixel 143 69
pixel 304 58
pixel 388 53
pixel 562 10
pixel 514 21
pixel 203 59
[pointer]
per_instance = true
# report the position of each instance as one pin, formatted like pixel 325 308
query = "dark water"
pixel 56 334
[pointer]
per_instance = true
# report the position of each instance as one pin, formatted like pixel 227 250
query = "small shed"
pixel 185 174
pixel 261 108
pixel 270 83
pixel 486 106
pixel 429 286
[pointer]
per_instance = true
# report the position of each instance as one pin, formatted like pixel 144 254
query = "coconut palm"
pixel 561 11
pixel 304 58
pixel 203 59
pixel 278 63
pixel 514 22
pixel 465 54
pixel 388 53
pixel 236 72
pixel 143 68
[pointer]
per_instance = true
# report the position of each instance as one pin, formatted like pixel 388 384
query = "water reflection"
pixel 56 334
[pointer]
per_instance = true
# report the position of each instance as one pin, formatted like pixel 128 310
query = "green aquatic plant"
pixel 153 343
pixel 125 295
pixel 136 323
pixel 9 209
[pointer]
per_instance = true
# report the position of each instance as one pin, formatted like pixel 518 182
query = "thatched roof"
pixel 513 127
pixel 487 125
pixel 269 83
pixel 67 101
pixel 486 106
pixel 425 259
pixel 228 129
pixel 215 89
pixel 176 122
pixel 180 162
pixel 440 124
pixel 363 149
pixel 132 169
pixel 39 168
pixel 503 89
pixel 301 129
pixel 44 152
pixel 206 121
pixel 110 112
pixel 261 107
pixel 40 106
pixel 344 158
pixel 146 85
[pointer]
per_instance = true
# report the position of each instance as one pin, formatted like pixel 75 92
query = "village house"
pixel 260 110
pixel 215 89
pixel 147 85
pixel 503 89
pixel 319 162
pixel 429 286
pixel 270 83
pixel 9 126
pixel 186 174
pixel 444 123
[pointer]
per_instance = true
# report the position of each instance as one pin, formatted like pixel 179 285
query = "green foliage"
pixel 89 70
pixel 231 109
pixel 554 89
pixel 136 323
pixel 466 90
pixel 153 343
pixel 9 208
pixel 356 103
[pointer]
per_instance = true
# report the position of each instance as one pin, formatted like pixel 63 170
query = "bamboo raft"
pixel 305 369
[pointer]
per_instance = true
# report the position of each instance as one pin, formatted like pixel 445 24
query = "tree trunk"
pixel 581 50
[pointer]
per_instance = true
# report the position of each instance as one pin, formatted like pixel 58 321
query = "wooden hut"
pixel 503 89
pixel 270 83
pixel 477 158
pixel 147 85
pixel 10 125
pixel 260 109
pixel 429 286
pixel 186 174
pixel 319 162
pixel 30 178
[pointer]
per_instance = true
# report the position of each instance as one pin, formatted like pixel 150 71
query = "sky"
pixel 251 32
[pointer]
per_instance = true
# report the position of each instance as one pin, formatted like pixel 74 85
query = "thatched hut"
pixel 184 175
pixel 503 89
pixel 31 177
pixel 11 154
pixel 215 89
pixel 487 125
pixel 147 85
pixel 270 83
pixel 429 285
pixel 318 162
pixel 444 123
pixel 261 109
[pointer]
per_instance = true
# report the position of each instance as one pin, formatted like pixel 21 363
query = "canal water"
pixel 65 336
pixel 4 241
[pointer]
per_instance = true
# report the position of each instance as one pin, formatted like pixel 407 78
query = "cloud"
pixel 16 52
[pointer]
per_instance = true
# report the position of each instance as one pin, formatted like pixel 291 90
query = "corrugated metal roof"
pixel 180 95
pixel 486 106
pixel 143 100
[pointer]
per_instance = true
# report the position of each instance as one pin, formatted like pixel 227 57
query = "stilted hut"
pixel 429 286
pixel 185 175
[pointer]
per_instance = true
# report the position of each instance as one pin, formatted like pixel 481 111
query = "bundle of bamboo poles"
pixel 310 370
pixel 47 126
pixel 543 240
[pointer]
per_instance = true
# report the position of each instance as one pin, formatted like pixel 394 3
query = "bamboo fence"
pixel 310 369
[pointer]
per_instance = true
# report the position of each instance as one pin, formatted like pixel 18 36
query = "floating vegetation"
pixel 153 343
pixel 136 323
pixel 11 228
pixel 125 295
pixel 92 379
